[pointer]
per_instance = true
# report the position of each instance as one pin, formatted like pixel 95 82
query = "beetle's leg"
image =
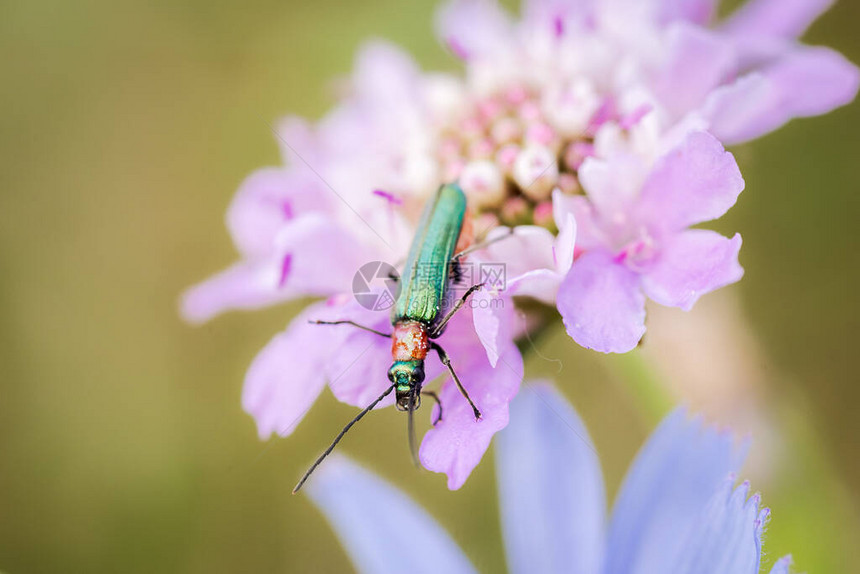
pixel 443 356
pixel 456 271
pixel 437 330
pixel 435 397
pixel 481 244
pixel 354 324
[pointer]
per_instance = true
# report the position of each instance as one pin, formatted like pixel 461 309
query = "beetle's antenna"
pixel 410 426
pixel 340 436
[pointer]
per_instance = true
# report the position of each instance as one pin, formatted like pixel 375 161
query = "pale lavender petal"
pixel 813 80
pixel 246 285
pixel 531 247
pixel 382 530
pixel 487 314
pixel 692 263
pixel 784 18
pixel 564 246
pixel 696 181
pixel 611 186
pixel 300 146
pixel 292 270
pixel 697 61
pixel 727 535
pixel 589 227
pixel 287 375
pixel 265 201
pixel 457 444
pixel 358 360
pixel 551 494
pixel 314 238
pixel 259 209
pixel 664 493
pixel 782 566
pixel 557 15
pixel 474 28
pixel 696 11
pixel 529 253
pixel 384 73
pixel 540 284
pixel 602 304
pixel 806 82
pixel 734 111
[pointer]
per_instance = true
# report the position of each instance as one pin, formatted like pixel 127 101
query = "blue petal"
pixel 551 492
pixel 383 531
pixel 665 492
pixel 727 537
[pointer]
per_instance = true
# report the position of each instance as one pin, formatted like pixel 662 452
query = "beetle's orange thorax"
pixel 409 342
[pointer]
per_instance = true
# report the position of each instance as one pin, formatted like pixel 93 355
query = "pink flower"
pixel 636 241
pixel 288 375
pixel 596 118
pixel 742 77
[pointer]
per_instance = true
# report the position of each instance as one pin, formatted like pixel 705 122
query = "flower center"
pixel 638 254
pixel 509 157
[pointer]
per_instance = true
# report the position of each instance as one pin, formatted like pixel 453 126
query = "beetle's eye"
pixel 391 376
pixel 418 376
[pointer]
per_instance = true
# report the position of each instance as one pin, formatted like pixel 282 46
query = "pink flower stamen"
pixel 388 196
pixel 286 267
pixel 558 26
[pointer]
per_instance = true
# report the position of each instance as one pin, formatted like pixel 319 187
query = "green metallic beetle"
pixel 416 317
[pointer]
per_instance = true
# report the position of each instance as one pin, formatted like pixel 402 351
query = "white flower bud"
pixel 483 183
pixel 536 171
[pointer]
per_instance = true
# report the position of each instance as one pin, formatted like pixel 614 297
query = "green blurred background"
pixel 126 127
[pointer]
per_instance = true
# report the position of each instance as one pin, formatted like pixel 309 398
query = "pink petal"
pixel 287 376
pixel 264 203
pixel 611 185
pixel 784 18
pixel 474 28
pixel 487 314
pixel 457 444
pixel 602 304
pixel 589 228
pixel 259 209
pixel 557 15
pixel 535 262
pixel 246 285
pixel 806 82
pixel 691 264
pixel 697 61
pixel 530 247
pixel 311 240
pixel 293 270
pixel 565 244
pixel 358 361
pixel 540 284
pixel 695 182
pixel 385 73
pixel 300 145
pixel 696 11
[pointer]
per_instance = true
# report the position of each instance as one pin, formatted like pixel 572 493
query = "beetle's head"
pixel 407 377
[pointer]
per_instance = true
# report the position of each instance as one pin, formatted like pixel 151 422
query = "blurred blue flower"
pixel 677 511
